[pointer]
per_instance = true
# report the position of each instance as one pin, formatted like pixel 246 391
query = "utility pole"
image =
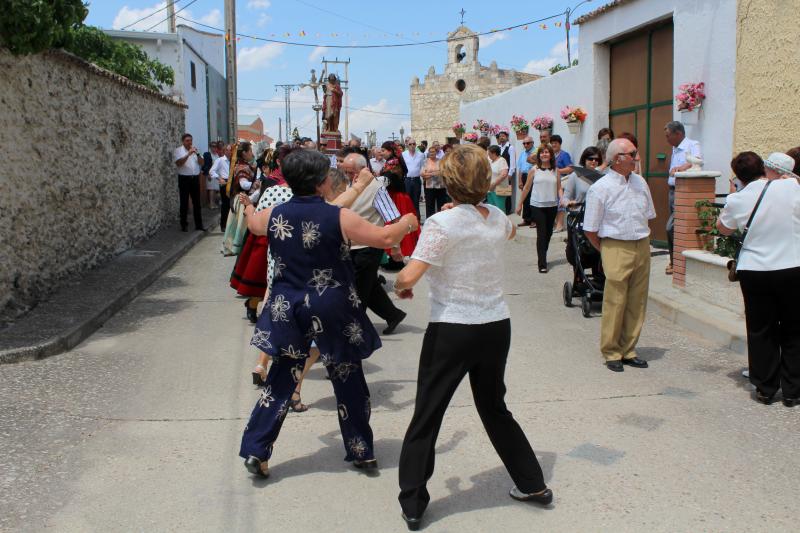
pixel 171 16
pixel 287 99
pixel 345 88
pixel 230 67
pixel 280 131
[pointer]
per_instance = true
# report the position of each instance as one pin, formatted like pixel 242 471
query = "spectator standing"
pixel 220 171
pixel 212 186
pixel 563 169
pixel 435 193
pixel 499 177
pixel 618 208
pixel 508 153
pixel 190 164
pixel 681 147
pixel 414 159
pixel 523 167
pixel 377 161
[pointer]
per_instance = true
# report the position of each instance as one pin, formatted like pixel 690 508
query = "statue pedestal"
pixel 330 142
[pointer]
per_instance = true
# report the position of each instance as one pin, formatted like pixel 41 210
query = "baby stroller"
pixel 584 259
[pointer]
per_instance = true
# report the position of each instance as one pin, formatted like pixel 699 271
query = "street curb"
pixel 93 319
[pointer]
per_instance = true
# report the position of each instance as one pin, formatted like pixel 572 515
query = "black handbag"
pixel 732 264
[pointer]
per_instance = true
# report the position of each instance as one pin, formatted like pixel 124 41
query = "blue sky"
pixel 379 78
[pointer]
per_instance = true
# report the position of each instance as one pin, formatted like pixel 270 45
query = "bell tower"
pixel 462 47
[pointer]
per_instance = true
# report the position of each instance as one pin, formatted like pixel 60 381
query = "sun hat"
pixel 781 163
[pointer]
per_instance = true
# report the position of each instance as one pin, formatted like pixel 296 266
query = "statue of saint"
pixel 332 103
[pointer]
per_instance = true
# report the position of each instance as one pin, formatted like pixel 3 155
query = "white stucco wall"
pixel 704 50
pixel 196 98
pixel 210 46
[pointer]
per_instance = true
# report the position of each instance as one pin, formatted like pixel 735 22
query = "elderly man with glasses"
pixel 618 208
pixel 414 160
pixel 523 167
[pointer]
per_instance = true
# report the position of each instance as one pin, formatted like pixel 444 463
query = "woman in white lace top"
pixel 461 250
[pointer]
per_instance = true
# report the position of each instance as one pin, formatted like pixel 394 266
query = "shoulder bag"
pixel 732 264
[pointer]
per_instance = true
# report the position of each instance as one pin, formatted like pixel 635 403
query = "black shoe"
pixel 367 464
pixel 615 366
pixel 253 465
pixel 412 523
pixel 252 315
pixel 184 229
pixel 391 325
pixel 543 270
pixel 763 398
pixel 201 229
pixel 791 402
pixel 545 498
pixel 635 362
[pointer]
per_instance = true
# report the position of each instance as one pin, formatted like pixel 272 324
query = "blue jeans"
pixel 414 190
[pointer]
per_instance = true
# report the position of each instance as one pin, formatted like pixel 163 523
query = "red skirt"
pixel 249 276
pixel 405 206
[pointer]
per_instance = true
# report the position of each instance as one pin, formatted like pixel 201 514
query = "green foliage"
pixel 560 67
pixel 30 26
pixel 120 57
pixel 719 244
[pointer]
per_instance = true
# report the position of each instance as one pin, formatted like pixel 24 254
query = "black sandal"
pixel 297 405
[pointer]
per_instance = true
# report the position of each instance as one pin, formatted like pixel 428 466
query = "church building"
pixel 435 102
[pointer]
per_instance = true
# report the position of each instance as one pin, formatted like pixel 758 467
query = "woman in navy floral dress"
pixel 313 298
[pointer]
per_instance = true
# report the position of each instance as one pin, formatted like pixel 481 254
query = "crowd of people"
pixel 311 232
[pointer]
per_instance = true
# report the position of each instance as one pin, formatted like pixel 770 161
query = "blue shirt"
pixel 522 163
pixel 563 159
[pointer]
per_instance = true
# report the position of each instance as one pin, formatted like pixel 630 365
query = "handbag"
pixel 732 264
pixel 504 189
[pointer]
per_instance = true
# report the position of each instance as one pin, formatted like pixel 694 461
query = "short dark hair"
pixel 304 170
pixel 605 131
pixel 794 153
pixel 494 149
pixel 748 166
pixel 183 137
pixel 589 152
pixel 675 126
pixel 484 142
pixel 556 139
pixel 631 137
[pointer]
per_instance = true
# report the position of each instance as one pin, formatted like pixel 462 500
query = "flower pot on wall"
pixel 690 117
pixel 574 127
pixel 521 134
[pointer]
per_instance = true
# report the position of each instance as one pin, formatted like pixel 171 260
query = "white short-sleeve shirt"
pixel 773 240
pixel 618 208
pixel 191 167
pixel 465 254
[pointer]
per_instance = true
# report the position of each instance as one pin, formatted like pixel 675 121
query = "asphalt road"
pixel 137 429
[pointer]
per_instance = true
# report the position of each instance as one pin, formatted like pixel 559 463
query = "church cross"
pixel 462 13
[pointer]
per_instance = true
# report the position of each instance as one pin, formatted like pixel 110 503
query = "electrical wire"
pixel 168 17
pixel 148 16
pixel 350 108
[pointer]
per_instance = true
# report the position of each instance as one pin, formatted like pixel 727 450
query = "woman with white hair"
pixel 767 212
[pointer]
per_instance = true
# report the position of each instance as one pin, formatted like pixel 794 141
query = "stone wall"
pixel 86 171
pixel 767 77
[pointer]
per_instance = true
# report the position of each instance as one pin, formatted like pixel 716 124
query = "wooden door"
pixel 641 104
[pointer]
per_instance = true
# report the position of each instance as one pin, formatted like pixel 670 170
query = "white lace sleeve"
pixel 432 245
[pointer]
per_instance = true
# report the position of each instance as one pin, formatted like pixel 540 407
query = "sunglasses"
pixel 595 159
pixel 632 154
pixel 527 143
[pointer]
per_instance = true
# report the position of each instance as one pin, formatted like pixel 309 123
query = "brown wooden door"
pixel 641 104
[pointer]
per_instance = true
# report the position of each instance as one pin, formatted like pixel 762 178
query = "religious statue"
pixel 696 162
pixel 332 103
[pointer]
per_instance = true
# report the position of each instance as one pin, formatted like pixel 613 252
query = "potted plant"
pixel 482 126
pixel 689 100
pixel 543 122
pixel 471 137
pixel 520 126
pixel 459 128
pixel 574 117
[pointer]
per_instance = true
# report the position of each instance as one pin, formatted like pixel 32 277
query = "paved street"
pixel 138 427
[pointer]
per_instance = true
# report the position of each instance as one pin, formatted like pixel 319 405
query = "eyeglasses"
pixel 632 154
pixel 595 159
pixel 527 143
pixel 412 144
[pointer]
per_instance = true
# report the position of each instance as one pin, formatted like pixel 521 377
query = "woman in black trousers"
pixel 461 249
pixel 545 188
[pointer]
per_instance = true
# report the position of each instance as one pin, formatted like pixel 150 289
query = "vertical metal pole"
pixel 230 67
pixel 280 130
pixel 171 16
pixel 569 56
pixel 347 103
pixel 288 112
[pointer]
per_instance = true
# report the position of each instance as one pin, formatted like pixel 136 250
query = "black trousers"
pixel 670 227
pixel 366 262
pixel 545 218
pixel 526 204
pixel 434 200
pixel 414 190
pixel 773 329
pixel 190 186
pixel 224 208
pixel 449 352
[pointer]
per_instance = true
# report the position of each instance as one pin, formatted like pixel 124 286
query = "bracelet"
pixel 410 229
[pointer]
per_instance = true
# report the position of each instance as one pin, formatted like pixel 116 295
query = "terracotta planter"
pixel 574 127
pixel 521 134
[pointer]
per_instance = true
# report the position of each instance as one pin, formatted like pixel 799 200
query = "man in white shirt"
pixel 220 171
pixel 508 153
pixel 681 147
pixel 618 208
pixel 376 162
pixel 189 163
pixel 414 160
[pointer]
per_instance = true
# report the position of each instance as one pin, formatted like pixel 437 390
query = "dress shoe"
pixel 543 498
pixel 201 229
pixel 391 325
pixel 791 402
pixel 412 523
pixel 368 464
pixel 615 366
pixel 763 398
pixel 253 465
pixel 635 362
pixel 524 223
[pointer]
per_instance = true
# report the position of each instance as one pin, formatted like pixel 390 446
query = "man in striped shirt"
pixel 376 207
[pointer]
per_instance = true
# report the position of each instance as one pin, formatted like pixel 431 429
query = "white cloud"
pixel 257 57
pixel 488 40
pixel 158 21
pixel 558 54
pixel 214 18
pixel 258 4
pixel 384 125
pixel 263 20
pixel 317 53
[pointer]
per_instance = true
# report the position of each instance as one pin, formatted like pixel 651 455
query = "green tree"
pixel 30 26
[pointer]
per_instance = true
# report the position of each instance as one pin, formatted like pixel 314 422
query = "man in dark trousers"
pixel 189 163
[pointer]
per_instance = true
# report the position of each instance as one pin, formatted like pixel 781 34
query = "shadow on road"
pixel 650 353
pixel 381 393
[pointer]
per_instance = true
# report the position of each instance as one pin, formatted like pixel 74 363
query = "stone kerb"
pixel 690 187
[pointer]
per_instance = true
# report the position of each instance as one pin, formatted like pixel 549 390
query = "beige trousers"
pixel 627 268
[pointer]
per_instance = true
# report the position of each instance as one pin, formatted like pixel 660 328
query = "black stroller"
pixel 584 259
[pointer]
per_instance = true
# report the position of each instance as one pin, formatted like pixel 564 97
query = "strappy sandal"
pixel 297 405
pixel 668 270
pixel 259 375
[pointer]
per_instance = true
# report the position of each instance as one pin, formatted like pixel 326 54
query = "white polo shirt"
pixel 618 208
pixel 191 167
pixel 414 163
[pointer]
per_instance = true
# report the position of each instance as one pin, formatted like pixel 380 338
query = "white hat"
pixel 781 163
